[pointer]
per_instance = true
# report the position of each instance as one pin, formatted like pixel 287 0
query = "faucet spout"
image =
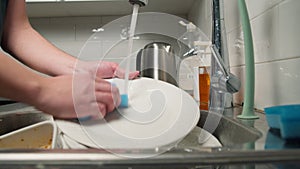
pixel 139 2
pixel 221 78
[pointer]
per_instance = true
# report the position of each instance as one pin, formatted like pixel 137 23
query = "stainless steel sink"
pixel 230 132
pixel 17 116
pixel 233 135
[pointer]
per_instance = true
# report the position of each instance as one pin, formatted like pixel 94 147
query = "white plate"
pixel 72 144
pixel 75 131
pixel 159 114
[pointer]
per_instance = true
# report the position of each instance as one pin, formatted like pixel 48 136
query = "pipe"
pixel 248 108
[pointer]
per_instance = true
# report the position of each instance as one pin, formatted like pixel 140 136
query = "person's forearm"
pixel 17 82
pixel 28 46
pixel 39 54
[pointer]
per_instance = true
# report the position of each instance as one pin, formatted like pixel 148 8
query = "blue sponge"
pixel 124 101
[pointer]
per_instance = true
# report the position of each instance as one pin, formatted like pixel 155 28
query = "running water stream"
pixel 130 45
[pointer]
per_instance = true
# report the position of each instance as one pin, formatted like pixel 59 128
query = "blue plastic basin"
pixel 286 118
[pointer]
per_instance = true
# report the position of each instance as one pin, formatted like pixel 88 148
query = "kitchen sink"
pixel 17 116
pixel 230 132
pixel 238 141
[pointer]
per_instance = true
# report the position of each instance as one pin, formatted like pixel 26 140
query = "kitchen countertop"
pixel 270 138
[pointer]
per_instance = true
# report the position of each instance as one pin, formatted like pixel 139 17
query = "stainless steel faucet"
pixel 223 83
pixel 221 79
pixel 139 2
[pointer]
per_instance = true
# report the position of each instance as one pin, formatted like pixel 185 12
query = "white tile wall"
pixel 231 15
pixel 71 47
pixel 202 8
pixel 91 50
pixel 265 30
pixel 275 30
pixel 258 7
pixel 74 35
pixel 289 34
pixel 265 36
pixel 276 83
pixel 276 36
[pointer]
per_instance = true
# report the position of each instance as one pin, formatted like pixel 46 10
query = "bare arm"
pixel 28 46
pixel 18 82
pixel 53 95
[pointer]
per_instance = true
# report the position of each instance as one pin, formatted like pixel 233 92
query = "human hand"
pixel 83 94
pixel 80 95
pixel 105 69
pixel 111 69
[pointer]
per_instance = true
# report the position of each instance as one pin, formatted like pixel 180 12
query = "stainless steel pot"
pixel 157 60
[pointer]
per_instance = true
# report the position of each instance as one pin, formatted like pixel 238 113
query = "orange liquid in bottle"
pixel 204 84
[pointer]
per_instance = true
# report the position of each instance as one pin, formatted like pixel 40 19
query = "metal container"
pixel 157 60
pixel 42 135
pixel 23 126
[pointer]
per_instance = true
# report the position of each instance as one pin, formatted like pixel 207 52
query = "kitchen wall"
pixel 74 35
pixel 276 35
